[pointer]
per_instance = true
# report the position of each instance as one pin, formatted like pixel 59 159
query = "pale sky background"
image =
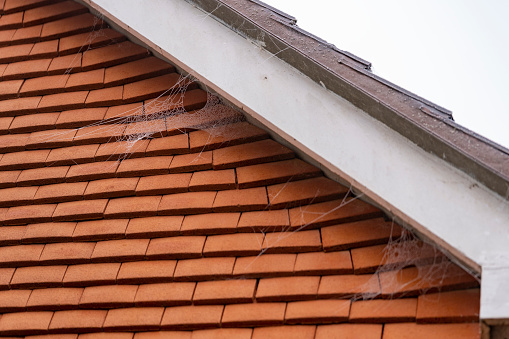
pixel 454 53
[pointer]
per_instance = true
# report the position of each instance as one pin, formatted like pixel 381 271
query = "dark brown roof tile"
pixel 167 294
pixel 224 291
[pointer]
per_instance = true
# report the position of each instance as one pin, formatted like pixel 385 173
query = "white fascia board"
pixel 413 184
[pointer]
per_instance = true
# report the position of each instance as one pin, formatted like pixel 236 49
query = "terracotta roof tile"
pixel 13 20
pixel 287 331
pixel 32 123
pixel 51 138
pixel 141 167
pixel 332 212
pixel 365 285
pixel 10 89
pixel 22 255
pixel 265 265
pixel 8 178
pixel 62 101
pixel 54 298
pixel 91 274
pixel 324 263
pixel 25 323
pixel 163 184
pixel 163 335
pixel 399 254
pixel 65 64
pixel 250 154
pixel 136 70
pixel 105 97
pixel 111 188
pixel 384 311
pixel 191 162
pixel 132 207
pixel 154 128
pixel 204 269
pixel 121 150
pixel 302 312
pixel 112 55
pixel 60 193
pixel 153 87
pixel 190 317
pixel 5 277
pixel 120 250
pixel 365 331
pixel 45 49
pixel 80 210
pixel 24 160
pixel 85 80
pixel 91 171
pixel 17 196
pixel 68 26
pixel 239 244
pixel 176 144
pixel 100 229
pixel 223 333
pixel 266 221
pixel 5 123
pixel 416 331
pixel 154 271
pixel 27 34
pixel 176 247
pixel 226 135
pixel 14 107
pixel 109 296
pixel 5 38
pixel 43 176
pixel 117 113
pixel 71 253
pixel 52 12
pixel 241 200
pixel 80 118
pixel 245 315
pixel 20 215
pixel 85 41
pixel 138 318
pixel 104 335
pixel 49 232
pixel 13 142
pixel 26 69
pixel 77 320
pixel 154 226
pixel 11 235
pixel 213 180
pixel 72 155
pixel 18 5
pixel 14 300
pixel 186 203
pixel 38 276
pixel 169 294
pixel 287 289
pixel 224 291
pixel 98 134
pixel 14 54
pixel 50 84
pixel 190 100
pixel 213 223
pixel 455 306
pixel 359 234
pixel 431 278
pixel 292 242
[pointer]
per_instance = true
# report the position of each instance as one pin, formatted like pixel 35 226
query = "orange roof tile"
pixel 132 200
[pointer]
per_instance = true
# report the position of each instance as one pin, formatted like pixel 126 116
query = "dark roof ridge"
pixel 424 123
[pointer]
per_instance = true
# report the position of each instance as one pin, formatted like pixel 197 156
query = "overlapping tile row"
pixel 133 204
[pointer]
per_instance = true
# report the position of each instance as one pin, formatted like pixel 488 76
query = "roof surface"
pixel 133 201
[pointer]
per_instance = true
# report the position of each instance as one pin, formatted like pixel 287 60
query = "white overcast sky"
pixel 454 53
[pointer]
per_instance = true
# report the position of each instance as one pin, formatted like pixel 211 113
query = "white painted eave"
pixel 418 188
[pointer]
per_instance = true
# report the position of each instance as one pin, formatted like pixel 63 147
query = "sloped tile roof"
pixel 133 202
